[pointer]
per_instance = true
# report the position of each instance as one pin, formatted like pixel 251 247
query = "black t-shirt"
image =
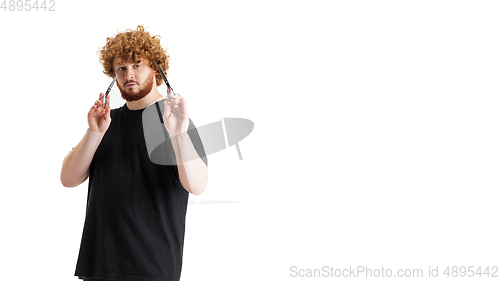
pixel 136 209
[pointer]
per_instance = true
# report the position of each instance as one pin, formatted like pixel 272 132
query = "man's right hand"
pixel 76 164
pixel 99 117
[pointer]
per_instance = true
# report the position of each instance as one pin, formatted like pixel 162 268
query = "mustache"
pixel 130 81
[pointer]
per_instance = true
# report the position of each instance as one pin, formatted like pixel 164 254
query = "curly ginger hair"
pixel 133 44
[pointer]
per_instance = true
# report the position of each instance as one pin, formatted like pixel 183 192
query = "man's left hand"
pixel 175 117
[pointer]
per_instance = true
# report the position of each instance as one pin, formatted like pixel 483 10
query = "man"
pixel 135 219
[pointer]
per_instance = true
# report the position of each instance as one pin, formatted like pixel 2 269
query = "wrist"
pixel 179 136
pixel 95 132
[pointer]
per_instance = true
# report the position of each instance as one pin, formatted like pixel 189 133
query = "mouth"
pixel 130 85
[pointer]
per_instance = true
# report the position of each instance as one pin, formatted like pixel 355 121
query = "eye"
pixel 136 66
pixel 121 68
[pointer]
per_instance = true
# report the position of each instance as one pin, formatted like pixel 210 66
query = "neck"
pixel 146 101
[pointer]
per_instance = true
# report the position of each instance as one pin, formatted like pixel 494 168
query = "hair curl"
pixel 133 44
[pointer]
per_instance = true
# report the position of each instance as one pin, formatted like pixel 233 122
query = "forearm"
pixel 76 164
pixel 193 173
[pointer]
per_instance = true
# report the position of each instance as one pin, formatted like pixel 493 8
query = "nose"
pixel 129 74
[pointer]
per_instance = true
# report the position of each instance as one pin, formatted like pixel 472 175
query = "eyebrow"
pixel 122 64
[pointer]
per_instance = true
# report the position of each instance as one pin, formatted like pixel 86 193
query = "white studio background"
pixel 376 139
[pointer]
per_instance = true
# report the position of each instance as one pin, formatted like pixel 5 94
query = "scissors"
pixel 107 91
pixel 170 98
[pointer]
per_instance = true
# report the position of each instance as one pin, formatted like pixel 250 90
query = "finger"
pixel 168 110
pixel 96 109
pixel 104 99
pixel 107 103
pixel 181 101
pixel 182 104
pixel 176 97
pixel 107 108
pixel 170 98
pixel 101 95
pixel 97 104
pixel 94 106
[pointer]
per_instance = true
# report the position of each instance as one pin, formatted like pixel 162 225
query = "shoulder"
pixel 115 111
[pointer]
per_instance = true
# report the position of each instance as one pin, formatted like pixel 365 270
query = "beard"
pixel 137 94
